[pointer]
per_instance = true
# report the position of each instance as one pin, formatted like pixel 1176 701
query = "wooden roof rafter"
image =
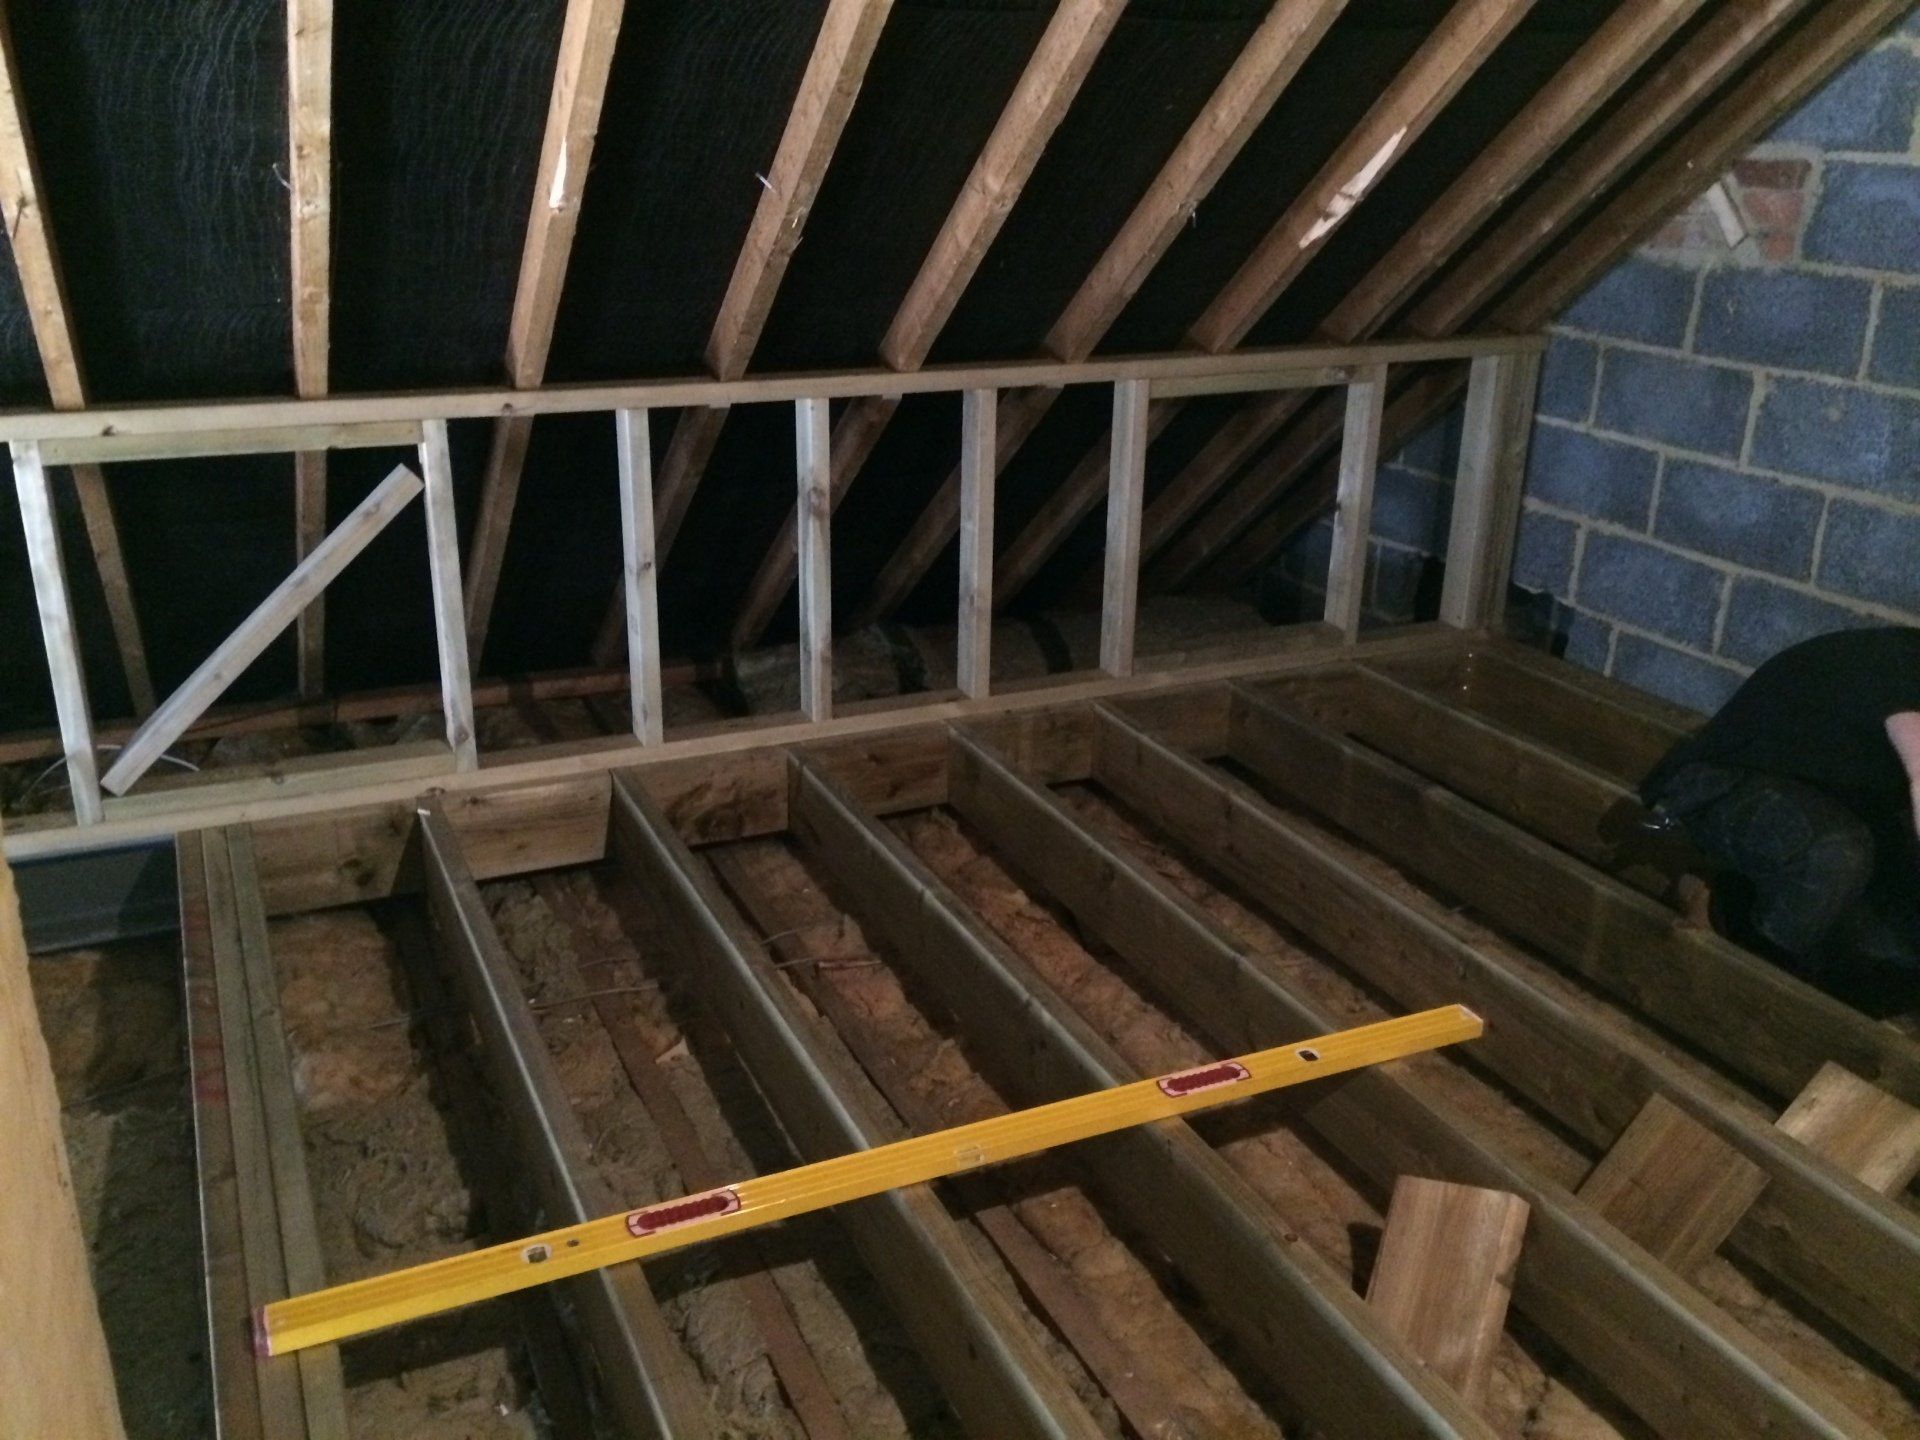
pixel 1243 98
pixel 310 183
pixel 1465 39
pixel 37 260
pixel 835 71
pixel 1229 534
pixel 1625 42
pixel 1038 104
pixel 588 37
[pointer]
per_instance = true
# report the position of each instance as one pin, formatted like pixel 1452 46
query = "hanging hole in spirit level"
pixel 1307 1052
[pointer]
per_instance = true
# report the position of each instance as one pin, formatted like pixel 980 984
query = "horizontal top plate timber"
pixel 1279 363
pixel 1674 1358
pixel 204 444
pixel 1850 1251
pixel 372 791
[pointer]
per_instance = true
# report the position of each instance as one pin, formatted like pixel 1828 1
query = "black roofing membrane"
pixel 162 135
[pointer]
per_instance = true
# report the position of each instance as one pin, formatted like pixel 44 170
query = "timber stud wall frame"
pixel 1493 456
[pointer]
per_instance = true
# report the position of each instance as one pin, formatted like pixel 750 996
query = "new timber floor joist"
pixel 747 960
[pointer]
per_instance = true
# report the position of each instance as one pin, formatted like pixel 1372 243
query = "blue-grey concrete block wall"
pixel 1726 452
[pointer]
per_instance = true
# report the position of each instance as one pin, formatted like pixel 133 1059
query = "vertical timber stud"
pixel 588 36
pixel 57 629
pixel 1353 513
pixel 1126 483
pixel 1486 498
pixel 449 616
pixel 310 187
pixel 974 647
pixel 810 447
pixel 633 437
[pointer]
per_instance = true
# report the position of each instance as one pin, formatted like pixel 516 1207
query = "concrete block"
pixel 1309 553
pixel 1868 215
pixel 1650 588
pixel 1870 105
pixel 1763 619
pixel 1282 600
pixel 1688 403
pixel 1436 449
pixel 1543 553
pixel 1412 509
pixel 1589 642
pixel 1872 554
pixel 1674 675
pixel 1395 576
pixel 1603 478
pixel 1896 340
pixel 1567 376
pixel 1782 318
pixel 1637 300
pixel 1840 433
pixel 1758 523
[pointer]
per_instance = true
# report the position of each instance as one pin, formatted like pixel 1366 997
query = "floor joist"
pixel 1301 1320
pixel 1820 1231
pixel 994 1373
pixel 651 1384
pixel 1689 1370
pixel 1756 1019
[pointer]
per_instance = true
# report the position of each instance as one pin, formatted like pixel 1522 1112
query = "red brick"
pixel 1775 209
pixel 1773 174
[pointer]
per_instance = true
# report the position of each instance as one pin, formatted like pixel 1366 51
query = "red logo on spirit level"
pixel 1207 1077
pixel 656 1218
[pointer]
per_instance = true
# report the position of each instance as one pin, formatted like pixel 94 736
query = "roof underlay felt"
pixel 161 132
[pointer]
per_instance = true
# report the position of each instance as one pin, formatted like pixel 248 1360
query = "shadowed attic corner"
pixel 611 602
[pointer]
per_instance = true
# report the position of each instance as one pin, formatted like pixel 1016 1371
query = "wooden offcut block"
pixel 1870 1134
pixel 1673 1185
pixel 1445 1275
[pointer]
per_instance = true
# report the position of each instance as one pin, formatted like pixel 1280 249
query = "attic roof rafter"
pixel 1630 36
pixel 1039 103
pixel 832 82
pixel 310 202
pixel 828 89
pixel 1233 540
pixel 1243 98
pixel 1464 40
pixel 37 261
pixel 588 37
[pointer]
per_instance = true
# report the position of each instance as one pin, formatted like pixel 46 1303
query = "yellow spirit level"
pixel 353 1309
